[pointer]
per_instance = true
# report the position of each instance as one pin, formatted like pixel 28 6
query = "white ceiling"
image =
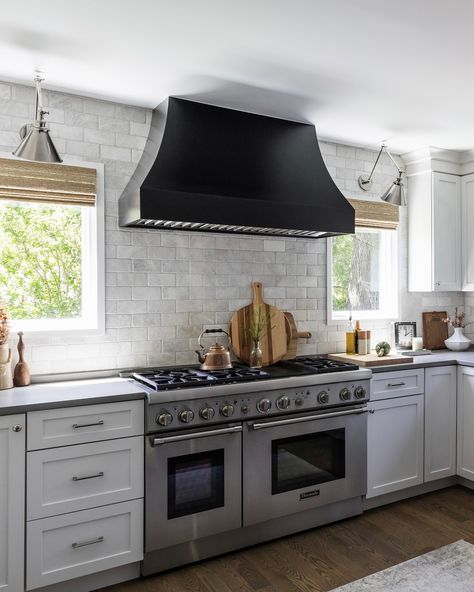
pixel 362 70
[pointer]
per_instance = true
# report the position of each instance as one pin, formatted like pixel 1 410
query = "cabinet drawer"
pixel 400 383
pixel 74 545
pixel 72 478
pixel 78 425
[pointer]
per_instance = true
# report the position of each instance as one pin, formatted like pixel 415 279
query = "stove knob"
pixel 164 419
pixel 360 392
pixel 206 413
pixel 323 397
pixel 186 416
pixel 298 402
pixel 227 410
pixel 264 405
pixel 345 394
pixel 244 408
pixel 283 402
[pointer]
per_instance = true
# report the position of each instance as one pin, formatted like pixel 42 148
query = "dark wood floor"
pixel 329 556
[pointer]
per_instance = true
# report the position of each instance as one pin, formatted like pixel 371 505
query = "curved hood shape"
pixel 208 168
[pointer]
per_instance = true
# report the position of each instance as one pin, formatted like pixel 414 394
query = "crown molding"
pixel 431 159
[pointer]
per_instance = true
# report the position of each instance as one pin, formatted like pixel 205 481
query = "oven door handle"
pixel 206 434
pixel 283 422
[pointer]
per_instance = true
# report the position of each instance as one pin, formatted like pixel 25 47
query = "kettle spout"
pixel 201 358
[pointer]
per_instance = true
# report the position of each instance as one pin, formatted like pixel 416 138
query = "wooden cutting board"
pixel 435 330
pixel 371 359
pixel 292 336
pixel 273 342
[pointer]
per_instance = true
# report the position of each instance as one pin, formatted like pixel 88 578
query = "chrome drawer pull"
pixel 76 426
pixel 396 383
pixel 101 474
pixel 87 543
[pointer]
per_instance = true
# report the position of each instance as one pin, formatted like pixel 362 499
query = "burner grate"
pixel 175 378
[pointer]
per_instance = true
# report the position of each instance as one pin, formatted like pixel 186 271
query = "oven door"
pixel 193 485
pixel 298 463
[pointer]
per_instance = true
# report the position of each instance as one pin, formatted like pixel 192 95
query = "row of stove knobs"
pixel 186 415
pixel 264 405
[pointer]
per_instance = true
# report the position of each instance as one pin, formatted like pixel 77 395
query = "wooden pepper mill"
pixel 21 374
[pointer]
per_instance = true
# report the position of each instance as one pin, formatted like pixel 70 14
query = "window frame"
pixel 93 280
pixel 391 311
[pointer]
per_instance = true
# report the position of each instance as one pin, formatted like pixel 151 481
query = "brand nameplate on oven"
pixel 307 494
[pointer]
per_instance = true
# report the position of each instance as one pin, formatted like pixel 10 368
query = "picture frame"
pixel 404 333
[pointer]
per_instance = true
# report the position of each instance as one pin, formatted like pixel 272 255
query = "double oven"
pixel 201 482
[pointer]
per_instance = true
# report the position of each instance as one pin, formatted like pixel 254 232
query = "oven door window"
pixel 195 483
pixel 308 460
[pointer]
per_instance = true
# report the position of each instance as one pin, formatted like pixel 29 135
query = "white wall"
pixel 162 288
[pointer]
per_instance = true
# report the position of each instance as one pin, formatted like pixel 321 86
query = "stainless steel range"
pixel 240 456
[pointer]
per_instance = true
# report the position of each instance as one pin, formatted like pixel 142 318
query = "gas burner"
pixel 164 379
pixel 319 365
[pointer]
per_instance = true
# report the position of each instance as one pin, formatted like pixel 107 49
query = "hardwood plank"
pixel 321 559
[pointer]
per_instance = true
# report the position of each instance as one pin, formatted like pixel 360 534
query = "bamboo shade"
pixel 375 214
pixel 47 183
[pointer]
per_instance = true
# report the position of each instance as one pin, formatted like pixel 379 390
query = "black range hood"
pixel 208 168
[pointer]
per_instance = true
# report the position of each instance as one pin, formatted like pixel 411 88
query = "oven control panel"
pixel 199 412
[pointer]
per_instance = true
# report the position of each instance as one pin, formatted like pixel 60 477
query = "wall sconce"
pixel 395 194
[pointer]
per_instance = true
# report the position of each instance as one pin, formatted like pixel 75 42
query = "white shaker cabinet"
pixel 465 448
pixel 394 444
pixel 434 233
pixel 468 232
pixel 440 422
pixel 12 502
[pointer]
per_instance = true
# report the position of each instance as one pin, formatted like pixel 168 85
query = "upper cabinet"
pixel 467 232
pixel 440 220
pixel 434 233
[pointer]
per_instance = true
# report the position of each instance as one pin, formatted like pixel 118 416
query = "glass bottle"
pixel 350 337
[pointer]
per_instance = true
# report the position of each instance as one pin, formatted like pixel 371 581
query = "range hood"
pixel 209 168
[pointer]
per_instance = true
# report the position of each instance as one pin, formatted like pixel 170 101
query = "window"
pixel 51 253
pixel 362 270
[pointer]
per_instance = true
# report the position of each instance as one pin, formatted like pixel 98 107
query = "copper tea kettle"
pixel 217 356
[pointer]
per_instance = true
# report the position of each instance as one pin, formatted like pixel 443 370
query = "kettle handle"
pixel 207 331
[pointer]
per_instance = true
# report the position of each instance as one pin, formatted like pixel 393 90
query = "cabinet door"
pixel 467 201
pixel 12 503
pixel 440 422
pixel 465 439
pixel 394 445
pixel 446 232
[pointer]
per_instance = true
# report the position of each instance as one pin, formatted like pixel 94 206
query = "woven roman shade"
pixel 47 183
pixel 375 214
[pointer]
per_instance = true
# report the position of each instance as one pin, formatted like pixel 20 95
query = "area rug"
pixel 447 569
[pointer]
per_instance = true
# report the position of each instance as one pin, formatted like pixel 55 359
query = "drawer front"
pixel 78 544
pixel 401 383
pixel 61 480
pixel 89 423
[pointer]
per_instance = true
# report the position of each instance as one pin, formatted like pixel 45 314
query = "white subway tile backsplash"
pixel 164 287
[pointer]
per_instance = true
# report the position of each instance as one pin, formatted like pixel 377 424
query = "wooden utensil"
pixel 435 330
pixel 292 336
pixel 273 342
pixel 21 374
pixel 371 359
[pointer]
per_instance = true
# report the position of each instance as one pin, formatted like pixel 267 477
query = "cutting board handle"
pixel 304 334
pixel 257 288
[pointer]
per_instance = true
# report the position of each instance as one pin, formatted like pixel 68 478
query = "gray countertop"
pixel 443 357
pixel 67 394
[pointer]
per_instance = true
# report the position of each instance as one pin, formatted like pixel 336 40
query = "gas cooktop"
pixel 166 379
pixel 178 378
